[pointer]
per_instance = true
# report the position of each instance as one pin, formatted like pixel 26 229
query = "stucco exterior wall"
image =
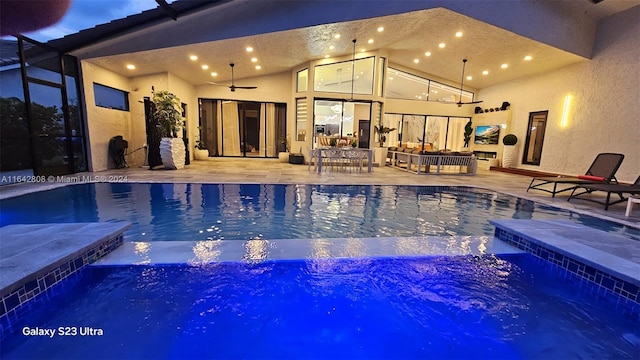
pixel 103 123
pixel 604 115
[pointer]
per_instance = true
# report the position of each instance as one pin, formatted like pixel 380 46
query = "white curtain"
pixel 270 129
pixel 231 131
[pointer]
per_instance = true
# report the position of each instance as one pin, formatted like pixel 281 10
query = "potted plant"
pixel 510 150
pixel 333 142
pixel 201 152
pixel 354 143
pixel 382 133
pixel 283 155
pixel 168 114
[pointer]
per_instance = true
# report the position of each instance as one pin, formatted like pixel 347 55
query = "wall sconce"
pixel 564 122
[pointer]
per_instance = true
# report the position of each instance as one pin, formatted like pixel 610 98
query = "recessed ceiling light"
pixel 528 58
pixel 370 41
pixel 205 67
pixel 504 66
pixel 193 57
pixel 131 66
pixel 326 56
pixel 331 47
pixel 486 72
pixel 249 49
pixel 214 74
pixel 363 50
pixel 380 28
pixel 415 61
pixel 469 77
pixel 336 36
pixel 254 59
pixel 441 45
pixel 428 53
pixel 258 67
pixel 459 34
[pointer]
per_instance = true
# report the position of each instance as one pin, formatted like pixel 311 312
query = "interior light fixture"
pixel 193 57
pixel 205 67
pixel 485 72
pixel 415 61
pixel 441 45
pixel 528 58
pixel 331 47
pixel 380 28
pixel 504 66
pixel 214 74
pixel 370 41
pixel 258 67
pixel 249 49
pixel 469 77
pixel 254 59
pixel 428 53
pixel 459 34
pixel 336 36
pixel 363 50
pixel 326 56
pixel 131 66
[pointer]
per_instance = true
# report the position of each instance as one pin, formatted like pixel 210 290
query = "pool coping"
pixel 612 266
pixel 35 257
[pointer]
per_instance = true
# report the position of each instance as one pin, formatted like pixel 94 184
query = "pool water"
pixel 193 212
pixel 481 307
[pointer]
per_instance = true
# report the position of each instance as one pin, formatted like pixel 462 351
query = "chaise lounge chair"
pixel 601 171
pixel 619 189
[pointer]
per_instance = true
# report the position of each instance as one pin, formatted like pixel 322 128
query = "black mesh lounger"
pixel 618 189
pixel 604 166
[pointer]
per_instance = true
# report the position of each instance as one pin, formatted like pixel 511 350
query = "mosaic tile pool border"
pixel 625 294
pixel 14 304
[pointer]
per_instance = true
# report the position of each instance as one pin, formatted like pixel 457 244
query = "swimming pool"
pixel 481 307
pixel 192 212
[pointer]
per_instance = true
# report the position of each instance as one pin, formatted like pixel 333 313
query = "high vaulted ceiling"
pixel 405 39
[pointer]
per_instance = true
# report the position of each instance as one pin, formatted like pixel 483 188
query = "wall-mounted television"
pixel 487 135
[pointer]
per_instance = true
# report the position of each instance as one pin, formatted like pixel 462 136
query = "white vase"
pixel 201 154
pixel 172 152
pixel 283 157
pixel 509 156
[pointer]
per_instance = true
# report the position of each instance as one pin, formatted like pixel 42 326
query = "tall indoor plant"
pixel 510 151
pixel 168 114
pixel 382 133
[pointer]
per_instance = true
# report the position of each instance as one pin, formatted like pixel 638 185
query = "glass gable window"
pixel 341 78
pixel 403 85
pixel 302 80
pixel 111 98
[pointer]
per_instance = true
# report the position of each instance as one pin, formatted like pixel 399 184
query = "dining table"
pixel 318 154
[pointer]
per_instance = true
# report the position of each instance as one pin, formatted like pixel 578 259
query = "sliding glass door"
pixel 242 128
pixel 341 122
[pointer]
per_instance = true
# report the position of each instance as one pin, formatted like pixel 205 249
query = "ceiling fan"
pixel 460 103
pixel 233 87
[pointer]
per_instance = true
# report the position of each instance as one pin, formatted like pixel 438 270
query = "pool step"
pixel 198 252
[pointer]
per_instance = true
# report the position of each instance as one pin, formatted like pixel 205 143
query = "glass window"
pixel 111 98
pixel 403 85
pixel 302 80
pixel 535 138
pixel 341 77
pixel 301 119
